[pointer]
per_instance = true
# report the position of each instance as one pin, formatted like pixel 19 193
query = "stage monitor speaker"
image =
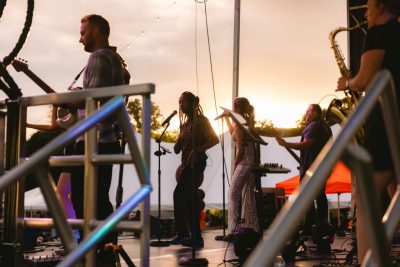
pixel 272 200
pixel 166 223
pixel 42 261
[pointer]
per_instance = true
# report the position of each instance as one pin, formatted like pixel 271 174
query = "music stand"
pixel 161 151
pixel 241 122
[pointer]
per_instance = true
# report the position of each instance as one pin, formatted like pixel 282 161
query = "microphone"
pixel 166 150
pixel 169 118
pixel 221 116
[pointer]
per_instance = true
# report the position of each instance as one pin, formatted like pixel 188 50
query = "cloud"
pixel 284 50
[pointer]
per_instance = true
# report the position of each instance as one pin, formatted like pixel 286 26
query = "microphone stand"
pixel 222 237
pixel 161 151
pixel 120 189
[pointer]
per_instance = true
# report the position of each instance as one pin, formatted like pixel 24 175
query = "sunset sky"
pixel 285 57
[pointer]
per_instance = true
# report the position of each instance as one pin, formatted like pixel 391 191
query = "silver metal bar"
pixel 90 181
pixel 55 145
pixel 292 212
pixel 62 161
pixel 62 98
pixel 48 189
pixel 48 223
pixel 390 112
pixel 109 108
pixel 391 217
pixel 95 159
pixel 78 160
pixel 391 117
pixel 236 50
pixel 360 162
pixel 106 227
pixel 145 219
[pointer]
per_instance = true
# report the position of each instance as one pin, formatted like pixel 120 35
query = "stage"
pixel 218 252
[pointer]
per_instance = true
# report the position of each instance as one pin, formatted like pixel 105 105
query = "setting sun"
pixel 282 114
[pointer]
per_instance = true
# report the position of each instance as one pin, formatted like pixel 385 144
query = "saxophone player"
pixel 381 51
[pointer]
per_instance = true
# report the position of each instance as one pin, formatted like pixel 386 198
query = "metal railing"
pixel 38 164
pixel 381 230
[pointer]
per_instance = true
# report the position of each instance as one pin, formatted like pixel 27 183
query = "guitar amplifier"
pixel 271 201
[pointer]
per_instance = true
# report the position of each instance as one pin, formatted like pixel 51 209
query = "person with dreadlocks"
pixel 195 137
pixel 242 211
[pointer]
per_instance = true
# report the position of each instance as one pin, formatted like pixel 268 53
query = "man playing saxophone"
pixel 381 51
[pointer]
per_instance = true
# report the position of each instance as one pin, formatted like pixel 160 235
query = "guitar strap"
pixel 76 78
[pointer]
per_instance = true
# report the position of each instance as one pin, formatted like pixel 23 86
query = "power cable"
pixel 211 68
pixel 3 3
pixel 7 84
pixel 22 38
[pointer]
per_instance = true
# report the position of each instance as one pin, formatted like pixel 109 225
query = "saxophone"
pixel 336 107
pixel 344 71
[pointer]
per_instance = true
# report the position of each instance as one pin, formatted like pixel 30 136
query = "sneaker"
pixel 179 239
pixel 198 244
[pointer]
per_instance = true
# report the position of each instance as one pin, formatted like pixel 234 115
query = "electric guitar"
pixel 293 154
pixel 275 132
pixel 71 116
pixel 22 65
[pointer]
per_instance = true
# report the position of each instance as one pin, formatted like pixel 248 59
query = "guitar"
pixel 293 154
pixel 22 65
pixel 198 179
pixel 275 132
pixel 66 120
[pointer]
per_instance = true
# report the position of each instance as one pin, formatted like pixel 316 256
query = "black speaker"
pixel 165 224
pixel 244 241
pixel 271 201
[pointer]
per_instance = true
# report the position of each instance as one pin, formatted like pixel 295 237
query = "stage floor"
pixel 219 253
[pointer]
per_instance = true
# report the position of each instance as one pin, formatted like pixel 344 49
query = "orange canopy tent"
pixel 338 182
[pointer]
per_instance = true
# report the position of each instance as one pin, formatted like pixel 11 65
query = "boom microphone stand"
pixel 161 151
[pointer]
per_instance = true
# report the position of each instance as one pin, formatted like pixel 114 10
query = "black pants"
pixel 184 209
pixel 322 210
pixel 104 206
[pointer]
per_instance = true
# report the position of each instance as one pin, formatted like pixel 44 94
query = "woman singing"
pixel 242 204
pixel 195 137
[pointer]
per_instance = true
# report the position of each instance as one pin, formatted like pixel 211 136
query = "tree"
pixel 135 111
pixel 267 128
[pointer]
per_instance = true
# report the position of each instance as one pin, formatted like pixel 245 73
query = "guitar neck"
pixel 294 155
pixel 39 81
